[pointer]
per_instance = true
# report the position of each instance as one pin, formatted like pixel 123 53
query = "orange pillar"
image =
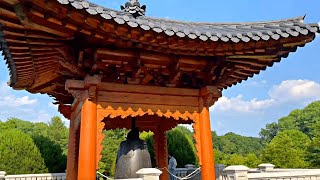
pixel 88 138
pixel 207 167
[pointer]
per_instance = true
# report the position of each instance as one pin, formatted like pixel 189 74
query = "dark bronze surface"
pixel 132 156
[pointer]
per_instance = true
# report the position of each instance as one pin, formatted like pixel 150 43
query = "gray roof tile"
pixel 234 32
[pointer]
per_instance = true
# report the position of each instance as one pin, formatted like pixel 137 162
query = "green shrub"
pixel 19 154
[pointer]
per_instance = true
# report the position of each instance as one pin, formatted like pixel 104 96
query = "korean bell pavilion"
pixel 104 67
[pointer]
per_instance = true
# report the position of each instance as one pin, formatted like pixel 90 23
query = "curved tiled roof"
pixel 45 42
pixel 234 32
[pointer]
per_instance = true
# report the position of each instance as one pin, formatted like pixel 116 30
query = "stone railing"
pixel 144 174
pixel 189 168
pixel 53 176
pixel 267 172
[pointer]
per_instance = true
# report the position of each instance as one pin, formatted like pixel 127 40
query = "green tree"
pixel 220 157
pixel 52 154
pixel 40 128
pixel 148 138
pixel 111 144
pixel 302 120
pixel 291 121
pixel 235 159
pixel 19 154
pixel 269 132
pixel 15 123
pixel 252 160
pixel 287 150
pixel 232 143
pixel 58 132
pixel 216 141
pixel 310 115
pixel 313 155
pixel 180 145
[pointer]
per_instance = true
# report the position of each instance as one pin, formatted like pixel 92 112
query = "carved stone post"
pixel 208 95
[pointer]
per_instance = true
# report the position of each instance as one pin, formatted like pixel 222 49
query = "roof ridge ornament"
pixel 134 8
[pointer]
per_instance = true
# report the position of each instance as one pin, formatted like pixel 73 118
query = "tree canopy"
pixel 291 142
pixel 50 140
pixel 19 154
pixel 288 149
pixel 306 124
pixel 181 146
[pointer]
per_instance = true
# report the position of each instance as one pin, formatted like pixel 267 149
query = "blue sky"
pixel 244 108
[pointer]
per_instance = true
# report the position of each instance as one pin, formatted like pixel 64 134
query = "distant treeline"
pixel 292 142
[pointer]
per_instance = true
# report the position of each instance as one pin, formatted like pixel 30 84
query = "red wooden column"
pixel 72 163
pixel 85 93
pixel 88 141
pixel 161 152
pixel 208 96
pixel 207 157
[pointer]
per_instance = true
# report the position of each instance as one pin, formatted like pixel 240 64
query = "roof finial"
pixel 134 8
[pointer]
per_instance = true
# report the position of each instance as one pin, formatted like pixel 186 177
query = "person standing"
pixel 172 167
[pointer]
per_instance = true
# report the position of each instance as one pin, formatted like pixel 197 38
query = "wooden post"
pixel 88 138
pixel 209 95
pixel 72 163
pixel 161 151
pixel 207 157
pixel 84 112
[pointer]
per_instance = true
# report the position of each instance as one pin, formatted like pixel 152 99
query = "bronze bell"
pixel 132 156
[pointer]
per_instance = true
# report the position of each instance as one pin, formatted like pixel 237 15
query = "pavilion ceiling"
pixel 46 42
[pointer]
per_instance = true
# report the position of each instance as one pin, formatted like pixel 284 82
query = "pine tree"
pixel 58 132
pixel 52 154
pixel 180 146
pixel 19 154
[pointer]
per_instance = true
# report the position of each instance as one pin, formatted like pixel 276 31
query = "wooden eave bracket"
pixel 210 95
pixel 83 89
pixel 65 110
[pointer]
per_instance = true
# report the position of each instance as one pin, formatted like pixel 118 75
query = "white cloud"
pixel 13 101
pixel 290 91
pixel 8 99
pixel 295 90
pixel 25 100
pixel 238 104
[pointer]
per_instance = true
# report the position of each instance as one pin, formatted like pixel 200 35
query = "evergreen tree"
pixel 148 138
pixel 52 154
pixel 180 146
pixel 111 144
pixel 58 132
pixel 19 154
